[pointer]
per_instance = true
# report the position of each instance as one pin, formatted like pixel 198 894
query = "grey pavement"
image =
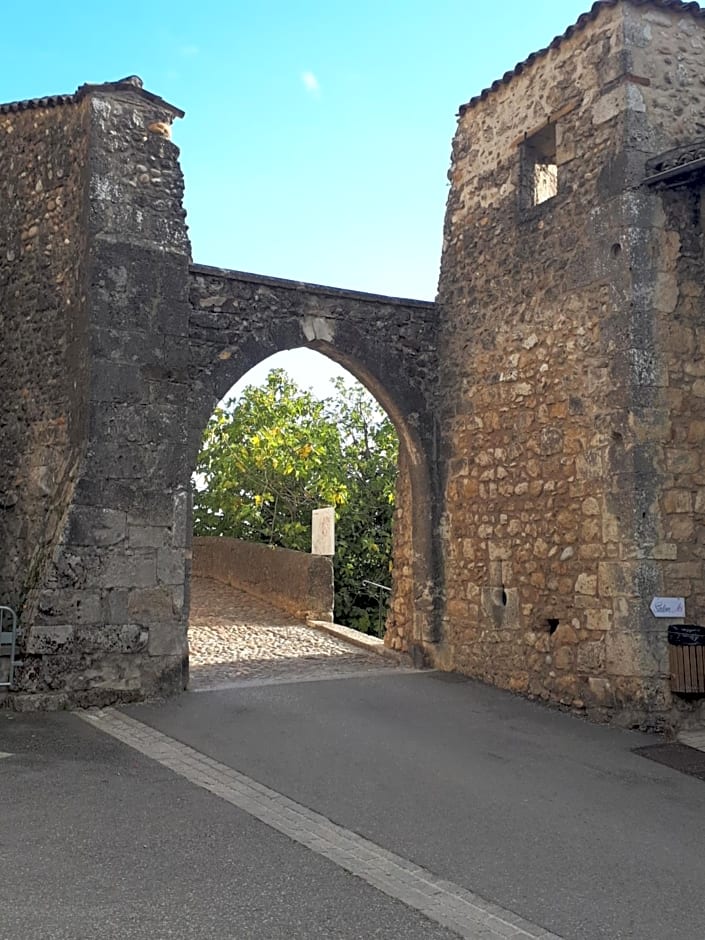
pixel 471 791
pixel 98 842
pixel 545 815
pixel 467 914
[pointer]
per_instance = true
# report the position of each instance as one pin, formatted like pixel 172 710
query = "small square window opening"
pixel 540 167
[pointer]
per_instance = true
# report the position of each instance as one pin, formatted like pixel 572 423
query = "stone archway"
pixel 98 525
pixel 237 320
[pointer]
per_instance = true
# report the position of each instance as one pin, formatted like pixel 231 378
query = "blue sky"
pixel 317 133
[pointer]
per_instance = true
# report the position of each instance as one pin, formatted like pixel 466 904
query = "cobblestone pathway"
pixel 234 636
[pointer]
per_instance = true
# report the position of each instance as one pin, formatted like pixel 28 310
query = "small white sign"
pixel 323 531
pixel 668 607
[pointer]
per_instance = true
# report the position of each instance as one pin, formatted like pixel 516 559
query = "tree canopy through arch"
pixel 276 452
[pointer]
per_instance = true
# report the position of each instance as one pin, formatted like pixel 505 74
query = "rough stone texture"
pixel 109 619
pixel 235 637
pixel 299 583
pixel 43 328
pixel 387 343
pixel 570 457
pixel 106 548
pixel 550 406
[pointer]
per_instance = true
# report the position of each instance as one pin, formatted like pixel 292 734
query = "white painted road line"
pixel 694 739
pixel 321 676
pixel 448 904
pixel 4 754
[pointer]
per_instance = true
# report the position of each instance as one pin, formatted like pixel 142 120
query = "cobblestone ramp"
pixel 236 637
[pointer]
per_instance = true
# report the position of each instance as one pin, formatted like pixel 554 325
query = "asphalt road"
pixel 100 843
pixel 546 815
pixel 540 812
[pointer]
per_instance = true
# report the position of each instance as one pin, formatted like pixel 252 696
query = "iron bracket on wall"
pixel 677 167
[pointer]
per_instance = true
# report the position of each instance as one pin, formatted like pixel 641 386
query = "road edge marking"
pixel 448 904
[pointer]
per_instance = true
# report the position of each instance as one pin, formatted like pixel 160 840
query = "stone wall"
pixel 668 421
pixel 162 341
pixel 566 504
pixel 388 343
pixel 43 353
pixel 299 583
pixel 112 612
pixel 550 407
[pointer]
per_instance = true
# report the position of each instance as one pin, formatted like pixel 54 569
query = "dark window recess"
pixel 540 170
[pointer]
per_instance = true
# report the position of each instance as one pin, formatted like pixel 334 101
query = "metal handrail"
pixel 381 589
pixel 8 638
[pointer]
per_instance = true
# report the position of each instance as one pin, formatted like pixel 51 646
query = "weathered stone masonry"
pixel 137 351
pixel 568 397
pixel 102 602
pixel 550 406
pixel 42 257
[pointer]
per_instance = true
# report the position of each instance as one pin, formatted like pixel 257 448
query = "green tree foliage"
pixel 276 453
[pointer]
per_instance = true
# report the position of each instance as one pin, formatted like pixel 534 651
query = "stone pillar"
pixel 112 613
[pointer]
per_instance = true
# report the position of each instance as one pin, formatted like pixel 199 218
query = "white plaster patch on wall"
pixel 635 98
pixel 103 188
pixel 318 328
pixel 100 105
pixel 642 367
pixel 655 16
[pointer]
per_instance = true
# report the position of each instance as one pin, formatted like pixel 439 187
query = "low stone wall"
pixel 299 583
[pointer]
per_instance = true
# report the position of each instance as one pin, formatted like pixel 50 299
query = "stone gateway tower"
pixel 571 398
pixel 94 268
pixel 550 405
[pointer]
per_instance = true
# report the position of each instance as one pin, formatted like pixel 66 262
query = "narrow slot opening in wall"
pixel 552 624
pixel 540 167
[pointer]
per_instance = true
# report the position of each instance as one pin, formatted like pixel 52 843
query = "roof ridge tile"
pixel 583 20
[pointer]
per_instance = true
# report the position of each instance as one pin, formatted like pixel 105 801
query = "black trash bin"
pixel 686 654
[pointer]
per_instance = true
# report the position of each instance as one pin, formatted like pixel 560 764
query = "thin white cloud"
pixel 189 51
pixel 311 83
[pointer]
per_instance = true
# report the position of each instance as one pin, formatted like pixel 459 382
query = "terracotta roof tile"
pixel 30 104
pixel 132 83
pixel 677 6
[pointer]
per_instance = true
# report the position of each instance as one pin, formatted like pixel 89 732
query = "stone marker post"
pixel 323 531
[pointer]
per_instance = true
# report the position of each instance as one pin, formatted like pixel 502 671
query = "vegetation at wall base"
pixel 275 453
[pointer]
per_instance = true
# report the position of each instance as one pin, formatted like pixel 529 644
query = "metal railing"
pixel 381 590
pixel 8 641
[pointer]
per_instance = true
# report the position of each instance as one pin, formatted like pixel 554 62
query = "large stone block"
pixel 116 382
pixel 167 639
pixel 111 638
pixel 147 605
pixel 92 525
pixel 171 565
pixel 130 569
pixel 634 654
pixel 141 536
pixel 49 638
